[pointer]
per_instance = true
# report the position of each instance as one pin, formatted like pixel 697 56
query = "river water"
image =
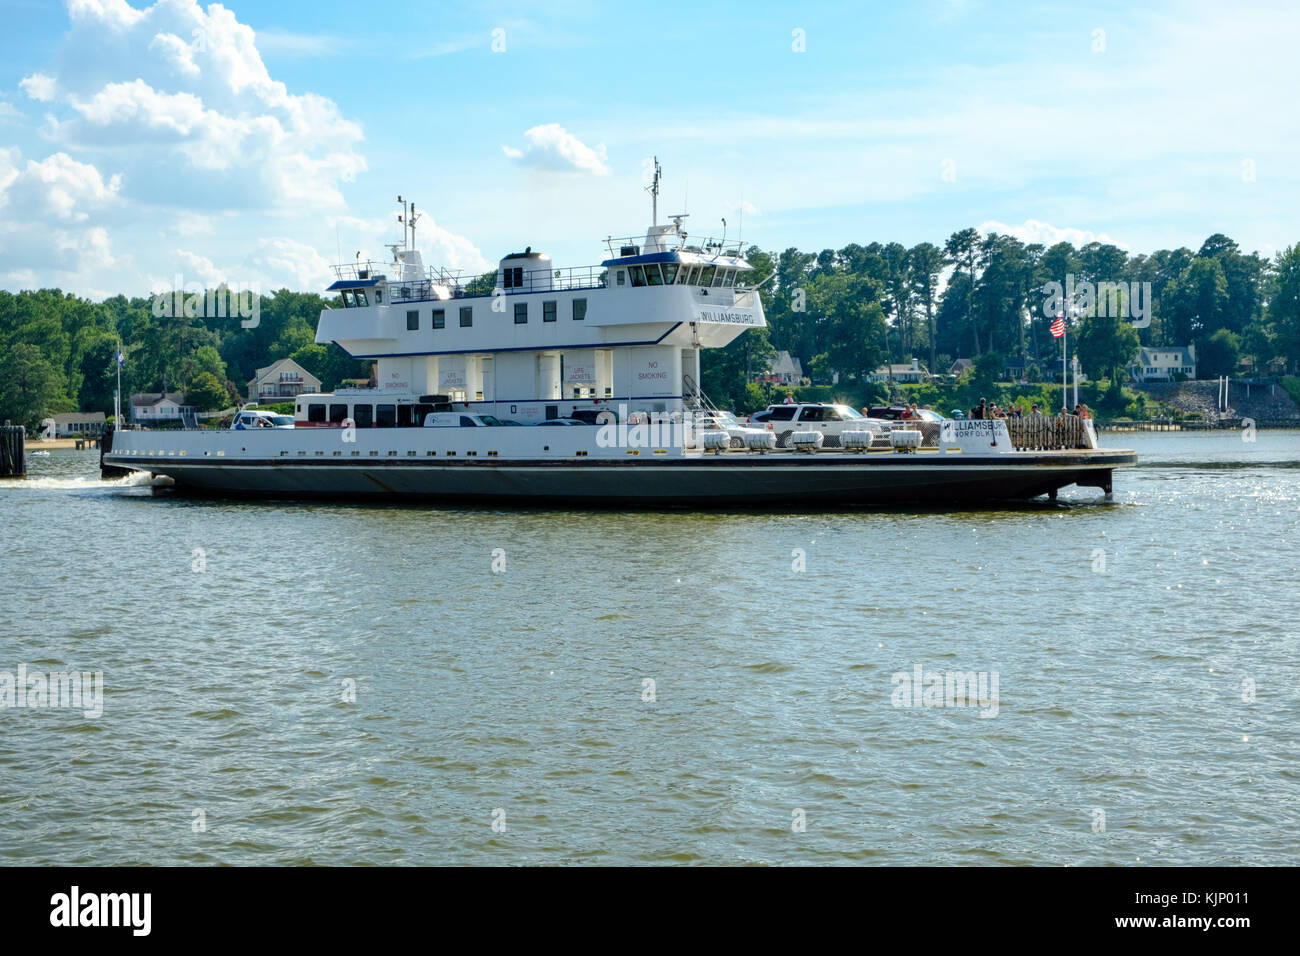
pixel 334 684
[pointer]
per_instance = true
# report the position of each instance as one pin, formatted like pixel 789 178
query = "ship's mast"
pixel 653 190
pixel 408 217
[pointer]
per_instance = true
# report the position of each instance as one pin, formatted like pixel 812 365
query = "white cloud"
pixel 1031 231
pixel 39 87
pixel 182 99
pixel 286 263
pixel 440 247
pixel 57 187
pixel 552 147
pixel 195 266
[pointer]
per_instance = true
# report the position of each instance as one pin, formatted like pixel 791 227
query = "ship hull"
pixel 774 480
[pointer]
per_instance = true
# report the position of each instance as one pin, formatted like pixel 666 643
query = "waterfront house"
pixel 281 381
pixel 78 424
pixel 903 374
pixel 960 367
pixel 149 407
pixel 782 370
pixel 1163 363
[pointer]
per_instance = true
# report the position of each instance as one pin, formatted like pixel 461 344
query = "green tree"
pixel 31 387
pixel 1219 354
pixel 1284 305
pixel 1105 344
pixel 961 250
pixel 925 262
pixel 206 393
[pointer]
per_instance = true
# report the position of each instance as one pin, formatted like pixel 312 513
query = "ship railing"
pixel 359 270
pixel 1049 432
pixel 704 246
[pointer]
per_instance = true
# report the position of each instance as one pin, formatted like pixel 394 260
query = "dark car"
pixel 888 413
pixel 594 416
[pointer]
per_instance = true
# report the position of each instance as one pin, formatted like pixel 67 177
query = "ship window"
pixel 362 301
pixel 706 275
pixel 729 278
pixel 670 272
pixel 403 416
pixel 512 278
pixel 348 301
pixel 385 416
pixel 412 320
pixel 439 318
pixel 683 273
pixel 548 311
pixel 521 313
pixel 467 422
pixel 638 275
pixel 315 413
pixel 579 309
pixel 652 276
pixel 619 274
pixel 466 316
pixel 694 278
pixel 363 415
pixel 717 280
pixel 338 413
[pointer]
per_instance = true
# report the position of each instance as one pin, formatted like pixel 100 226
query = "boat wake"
pixel 81 483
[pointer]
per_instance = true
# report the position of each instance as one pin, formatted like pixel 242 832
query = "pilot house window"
pixel 512 278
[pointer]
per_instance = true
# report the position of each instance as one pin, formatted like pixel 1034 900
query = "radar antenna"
pixel 653 190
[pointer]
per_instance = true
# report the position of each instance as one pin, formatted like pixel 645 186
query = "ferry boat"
pixel 470 371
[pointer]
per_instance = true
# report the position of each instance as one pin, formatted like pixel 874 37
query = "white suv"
pixel 828 419
pixel 727 422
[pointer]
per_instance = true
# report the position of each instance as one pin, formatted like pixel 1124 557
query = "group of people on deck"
pixel 985 410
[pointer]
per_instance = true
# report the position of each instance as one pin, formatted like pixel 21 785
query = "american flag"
pixel 1058 327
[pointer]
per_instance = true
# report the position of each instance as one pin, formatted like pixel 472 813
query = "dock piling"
pixel 13 459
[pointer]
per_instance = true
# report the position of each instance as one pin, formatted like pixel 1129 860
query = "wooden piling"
pixel 13 457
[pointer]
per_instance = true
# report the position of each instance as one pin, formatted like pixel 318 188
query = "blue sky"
pixel 258 142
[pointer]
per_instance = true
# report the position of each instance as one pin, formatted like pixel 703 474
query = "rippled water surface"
pixel 1124 637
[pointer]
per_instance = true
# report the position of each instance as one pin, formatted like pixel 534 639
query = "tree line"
pixel 852 310
pixel 843 312
pixel 58 351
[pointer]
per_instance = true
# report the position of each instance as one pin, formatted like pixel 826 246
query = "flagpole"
pixel 117 396
pixel 1065 375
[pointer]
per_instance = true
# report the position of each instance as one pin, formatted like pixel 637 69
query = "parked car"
pixel 253 418
pixel 727 422
pixel 594 416
pixel 562 421
pixel 826 418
